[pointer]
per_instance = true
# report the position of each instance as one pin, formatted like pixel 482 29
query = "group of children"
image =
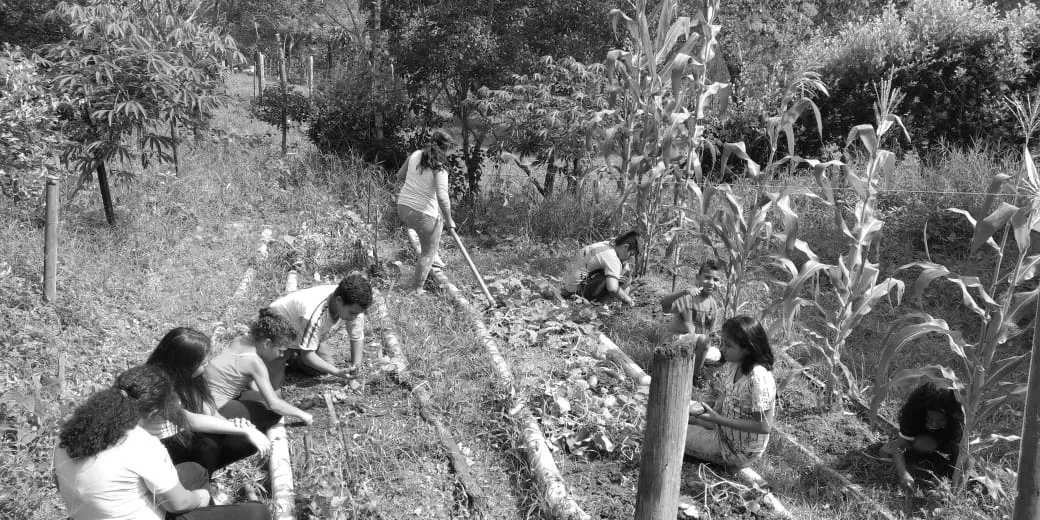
pixel 735 430
pixel 146 447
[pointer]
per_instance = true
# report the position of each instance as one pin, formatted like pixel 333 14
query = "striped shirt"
pixel 309 310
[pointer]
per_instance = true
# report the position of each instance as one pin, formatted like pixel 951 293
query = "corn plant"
pixel 981 375
pixel 854 280
pixel 651 140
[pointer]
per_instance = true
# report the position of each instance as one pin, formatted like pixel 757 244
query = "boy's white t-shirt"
pixel 308 309
pixel 600 255
pixel 120 483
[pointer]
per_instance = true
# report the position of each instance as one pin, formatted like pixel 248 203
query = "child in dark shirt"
pixel 930 426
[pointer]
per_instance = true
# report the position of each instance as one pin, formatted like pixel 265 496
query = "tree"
pixel 545 115
pixel 27 123
pixel 132 75
pixel 450 51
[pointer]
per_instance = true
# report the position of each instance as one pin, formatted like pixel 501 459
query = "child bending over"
pixel 694 314
pixel 737 434
pixel 930 425
pixel 231 373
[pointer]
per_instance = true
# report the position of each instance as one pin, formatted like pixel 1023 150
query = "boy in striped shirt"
pixel 695 314
pixel 317 312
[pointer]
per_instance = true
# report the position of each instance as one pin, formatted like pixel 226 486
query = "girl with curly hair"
pixel 107 466
pixel 231 373
pixel 204 435
pixel 930 426
pixel 737 434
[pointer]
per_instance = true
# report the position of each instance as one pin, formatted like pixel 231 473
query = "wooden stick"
pixel 478 502
pixel 332 410
pixel 473 267
pixel 610 350
pixel 282 489
pixel 50 243
pixel 660 469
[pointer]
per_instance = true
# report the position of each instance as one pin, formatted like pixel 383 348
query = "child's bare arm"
pixel 262 380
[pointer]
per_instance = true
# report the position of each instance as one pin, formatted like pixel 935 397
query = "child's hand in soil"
pixel 307 418
pixel 906 482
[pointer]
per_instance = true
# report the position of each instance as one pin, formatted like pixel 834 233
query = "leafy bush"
pixel 955 60
pixel 344 118
pixel 269 108
pixel 27 133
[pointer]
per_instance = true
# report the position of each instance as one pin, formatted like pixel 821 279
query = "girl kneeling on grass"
pixel 230 374
pixel 737 434
pixel 930 425
pixel 107 467
pixel 208 438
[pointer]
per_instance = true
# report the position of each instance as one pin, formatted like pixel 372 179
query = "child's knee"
pixel 925 444
pixel 700 343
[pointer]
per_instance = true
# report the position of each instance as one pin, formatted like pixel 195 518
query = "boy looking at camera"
pixel 695 313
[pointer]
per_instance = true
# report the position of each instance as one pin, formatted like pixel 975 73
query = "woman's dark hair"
pixel 436 153
pixel 630 239
pixel 914 414
pixel 749 334
pixel 354 288
pixel 105 417
pixel 179 354
pixel 272 326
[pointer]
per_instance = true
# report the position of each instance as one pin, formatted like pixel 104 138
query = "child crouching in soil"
pixel 930 424
pixel 694 315
pixel 737 434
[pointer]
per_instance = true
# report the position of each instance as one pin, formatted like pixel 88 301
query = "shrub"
pixel 955 60
pixel 344 116
pixel 269 108
pixel 27 128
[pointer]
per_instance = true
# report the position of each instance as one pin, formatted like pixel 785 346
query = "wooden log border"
pixel 558 502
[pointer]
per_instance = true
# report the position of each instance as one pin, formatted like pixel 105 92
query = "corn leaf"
pixel 989 226
pixel 992 405
pixel 994 190
pixel 981 443
pixel 1022 224
pixel 902 331
pixel 939 375
pixel 1030 185
pixel 740 151
pixel 1002 368
pixel 865 133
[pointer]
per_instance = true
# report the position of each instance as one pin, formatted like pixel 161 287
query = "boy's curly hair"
pixel 105 417
pixel 272 326
pixel 928 396
pixel 354 288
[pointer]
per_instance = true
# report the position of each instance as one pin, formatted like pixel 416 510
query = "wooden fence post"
pixel 283 78
pixel 657 495
pixel 310 76
pixel 1027 502
pixel 260 77
pixel 50 243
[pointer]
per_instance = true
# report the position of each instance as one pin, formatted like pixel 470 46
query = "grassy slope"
pixel 178 254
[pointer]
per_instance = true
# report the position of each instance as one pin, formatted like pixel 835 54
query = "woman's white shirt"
pixel 120 483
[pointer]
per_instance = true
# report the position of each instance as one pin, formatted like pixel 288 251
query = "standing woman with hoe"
pixel 423 203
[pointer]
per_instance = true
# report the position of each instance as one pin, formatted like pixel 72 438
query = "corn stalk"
pixel 983 382
pixel 649 135
pixel 854 280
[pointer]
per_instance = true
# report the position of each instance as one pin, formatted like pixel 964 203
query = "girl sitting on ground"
pixel 737 434
pixel 211 437
pixel 231 373
pixel 107 467
pixel 930 425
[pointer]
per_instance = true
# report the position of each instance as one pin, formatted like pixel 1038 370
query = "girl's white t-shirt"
pixel 120 483
pixel 420 187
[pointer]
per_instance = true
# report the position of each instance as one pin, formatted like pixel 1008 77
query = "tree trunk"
pixel 375 59
pixel 106 195
pixel 550 174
